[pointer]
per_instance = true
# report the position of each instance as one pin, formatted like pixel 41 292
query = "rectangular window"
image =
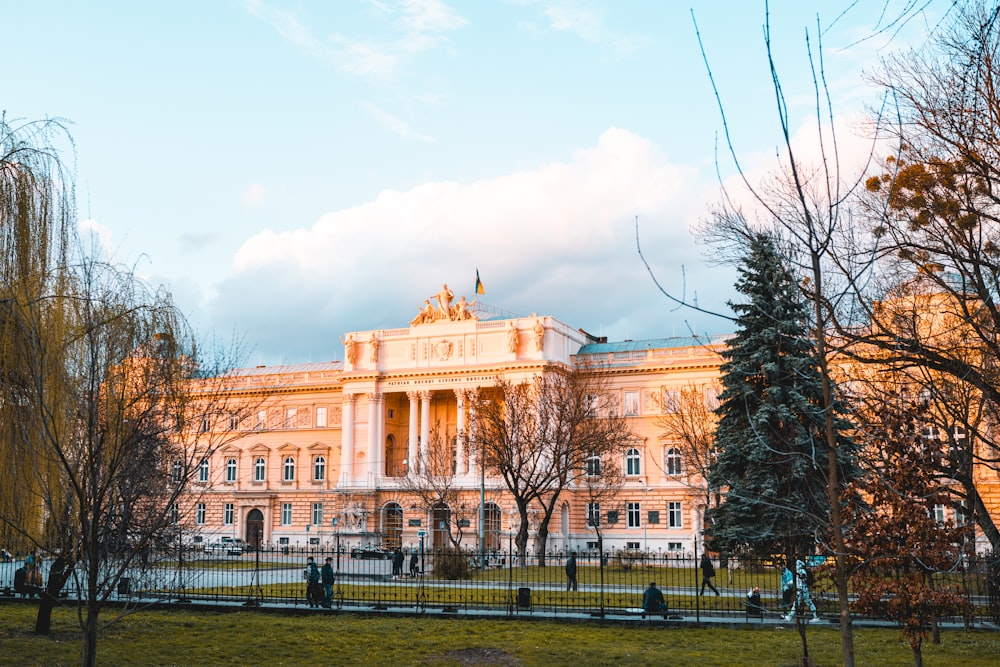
pixel 653 518
pixel 631 404
pixel 286 514
pixel 675 547
pixel 671 401
pixel 199 514
pixel 593 466
pixel 674 515
pixel 317 516
pixel 940 513
pixel 234 421
pixel 321 417
pixel 593 514
pixel 633 515
pixel 228 514
pixel 593 405
pixel 291 418
pixel 283 541
pixel 632 545
pixel 261 420
pixel 711 397
pixel 613 516
pixel 174 513
pixel 204 425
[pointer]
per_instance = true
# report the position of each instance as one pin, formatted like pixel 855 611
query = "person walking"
pixel 707 573
pixel 802 595
pixel 571 584
pixel 414 564
pixel 313 590
pixel 787 587
pixel 327 579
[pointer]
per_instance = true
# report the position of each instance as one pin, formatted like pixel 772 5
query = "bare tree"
pixel 538 435
pixel 435 487
pixel 689 425
pixel 105 398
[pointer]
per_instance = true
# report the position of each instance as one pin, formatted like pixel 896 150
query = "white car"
pixel 225 548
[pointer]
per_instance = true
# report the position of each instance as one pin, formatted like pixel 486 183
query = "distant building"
pixel 323 456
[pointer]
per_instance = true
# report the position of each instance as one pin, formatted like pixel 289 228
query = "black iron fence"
pixel 608 584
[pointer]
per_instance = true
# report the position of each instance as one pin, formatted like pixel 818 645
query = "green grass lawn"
pixel 323 638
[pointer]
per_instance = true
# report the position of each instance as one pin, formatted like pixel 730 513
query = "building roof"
pixel 652 344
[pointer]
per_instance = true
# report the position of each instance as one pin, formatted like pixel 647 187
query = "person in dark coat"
pixel 414 564
pixel 571 572
pixel 707 572
pixel 397 562
pixel 326 578
pixel 314 592
pixel 653 602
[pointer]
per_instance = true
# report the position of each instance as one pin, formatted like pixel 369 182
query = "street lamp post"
pixel 645 521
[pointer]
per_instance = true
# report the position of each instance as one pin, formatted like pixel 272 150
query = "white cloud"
pixel 394 124
pixel 404 28
pixel 557 239
pixel 253 196
pixel 95 235
pixel 584 20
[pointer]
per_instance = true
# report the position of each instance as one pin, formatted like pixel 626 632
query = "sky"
pixel 295 169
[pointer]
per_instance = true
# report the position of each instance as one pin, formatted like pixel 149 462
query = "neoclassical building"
pixel 324 455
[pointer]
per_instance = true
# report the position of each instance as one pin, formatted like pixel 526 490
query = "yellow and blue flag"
pixel 479 284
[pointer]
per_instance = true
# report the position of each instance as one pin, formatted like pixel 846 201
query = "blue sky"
pixel 295 169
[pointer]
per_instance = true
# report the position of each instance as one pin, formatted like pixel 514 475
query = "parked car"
pixel 371 553
pixel 231 548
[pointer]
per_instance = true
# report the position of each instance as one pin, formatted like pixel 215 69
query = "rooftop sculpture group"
pixel 443 310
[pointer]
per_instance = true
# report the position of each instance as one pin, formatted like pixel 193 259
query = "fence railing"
pixel 608 584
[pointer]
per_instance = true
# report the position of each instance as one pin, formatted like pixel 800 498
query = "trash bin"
pixel 524 599
pixel 124 586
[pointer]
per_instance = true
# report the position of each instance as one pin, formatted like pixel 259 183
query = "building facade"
pixel 324 456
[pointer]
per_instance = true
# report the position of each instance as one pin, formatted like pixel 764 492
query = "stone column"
pixel 347 440
pixel 374 447
pixel 425 427
pixel 473 396
pixel 460 395
pixel 411 451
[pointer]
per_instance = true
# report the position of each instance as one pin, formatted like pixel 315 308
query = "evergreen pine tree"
pixel 772 457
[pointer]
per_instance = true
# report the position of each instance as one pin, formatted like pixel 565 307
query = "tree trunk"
pixel 522 535
pixel 541 540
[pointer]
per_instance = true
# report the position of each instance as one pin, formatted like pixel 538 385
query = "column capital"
pixel 350 398
pixel 414 396
pixel 425 395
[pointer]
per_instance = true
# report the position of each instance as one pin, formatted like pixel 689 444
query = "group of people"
pixel 28 577
pixel 398 559
pixel 320 580
pixel 319 583
pixel 795 595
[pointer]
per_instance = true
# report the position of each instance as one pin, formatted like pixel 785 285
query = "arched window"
pixel 392 526
pixel 672 461
pixel 319 468
pixel 203 471
pixel 259 469
pixel 289 469
pixel 231 470
pixel 632 466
